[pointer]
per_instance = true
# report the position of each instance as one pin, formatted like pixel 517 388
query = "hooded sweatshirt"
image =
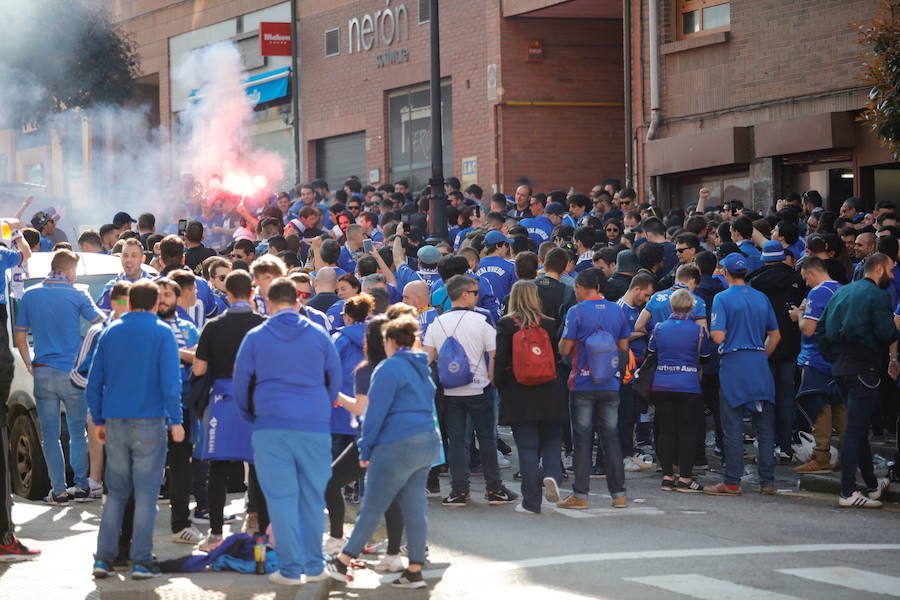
pixel 784 287
pixel 349 344
pixel 297 371
pixel 401 401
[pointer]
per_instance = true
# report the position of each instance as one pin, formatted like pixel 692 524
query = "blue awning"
pixel 261 88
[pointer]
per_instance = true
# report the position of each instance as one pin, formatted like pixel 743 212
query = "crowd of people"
pixel 320 342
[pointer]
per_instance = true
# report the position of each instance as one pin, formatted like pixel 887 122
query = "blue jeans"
pixel 733 441
pixel 537 442
pixel 783 372
pixel 860 393
pixel 397 470
pixel 52 389
pixel 135 461
pixel 293 468
pixel 590 411
pixel 480 409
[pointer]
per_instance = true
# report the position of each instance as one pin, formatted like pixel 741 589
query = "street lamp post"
pixel 437 208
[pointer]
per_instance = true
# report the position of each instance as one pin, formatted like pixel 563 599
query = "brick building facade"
pixel 760 104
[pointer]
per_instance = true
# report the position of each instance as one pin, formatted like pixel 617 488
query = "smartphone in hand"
pixel 368 246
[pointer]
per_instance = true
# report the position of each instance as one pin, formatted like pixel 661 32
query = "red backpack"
pixel 533 361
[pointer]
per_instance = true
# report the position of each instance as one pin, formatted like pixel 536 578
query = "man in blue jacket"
pixel 131 402
pixel 289 403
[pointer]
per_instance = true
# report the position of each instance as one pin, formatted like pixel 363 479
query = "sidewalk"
pixel 830 483
pixel 66 536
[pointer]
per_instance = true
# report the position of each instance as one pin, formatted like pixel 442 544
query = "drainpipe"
pixel 626 41
pixel 654 70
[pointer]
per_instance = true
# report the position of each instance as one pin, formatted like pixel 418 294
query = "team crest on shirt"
pixel 536 351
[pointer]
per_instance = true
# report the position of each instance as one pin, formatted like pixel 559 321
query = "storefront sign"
pixel 380 30
pixel 469 170
pixel 275 39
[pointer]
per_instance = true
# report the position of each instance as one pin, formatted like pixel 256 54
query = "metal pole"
pixel 437 208
pixel 295 93
pixel 626 40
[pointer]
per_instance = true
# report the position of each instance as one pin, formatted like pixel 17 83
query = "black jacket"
pixel 616 286
pixel 526 403
pixel 785 288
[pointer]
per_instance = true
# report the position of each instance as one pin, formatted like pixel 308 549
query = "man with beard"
pixel 853 333
pixel 132 259
pixel 180 470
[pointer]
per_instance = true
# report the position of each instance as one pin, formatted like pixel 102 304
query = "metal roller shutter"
pixel 339 157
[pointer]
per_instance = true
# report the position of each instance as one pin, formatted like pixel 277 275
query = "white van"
pixel 28 471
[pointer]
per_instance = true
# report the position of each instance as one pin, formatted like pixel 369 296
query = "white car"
pixel 28 471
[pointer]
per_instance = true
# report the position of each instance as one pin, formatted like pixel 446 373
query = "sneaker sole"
pixel 12 558
pixel 879 505
pixel 572 507
pixel 454 504
pixel 500 502
pixel 551 490
pixel 141 576
pixel 413 585
pixel 721 493
pixel 98 574
pixel 183 541
pixel 688 491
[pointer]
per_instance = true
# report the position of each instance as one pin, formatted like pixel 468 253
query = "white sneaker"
pixel 631 464
pixel 502 461
pixel 280 579
pixel 333 546
pixel 210 542
pixel 96 488
pixel 314 578
pixel 883 484
pixel 390 563
pixel 551 490
pixel 188 535
pixel 521 509
pixel 858 500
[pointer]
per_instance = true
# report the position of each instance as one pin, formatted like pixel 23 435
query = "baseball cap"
pixel 122 218
pixel 627 262
pixel 429 255
pixel 773 251
pixel 736 263
pixel 496 237
pixel 555 208
pixel 40 219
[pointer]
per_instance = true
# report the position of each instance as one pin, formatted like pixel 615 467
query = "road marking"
pixel 708 588
pixel 474 568
pixel 849 577
pixel 603 512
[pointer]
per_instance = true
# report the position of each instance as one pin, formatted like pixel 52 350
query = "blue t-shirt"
pixel 335 316
pixel 638 346
pixel 816 300
pixel 53 310
pixel 8 260
pixel 678 342
pixel 539 228
pixel 103 302
pixel 745 315
pixel 582 320
pixel 670 257
pixel 499 272
pixel 754 256
pixel 461 237
pixel 660 306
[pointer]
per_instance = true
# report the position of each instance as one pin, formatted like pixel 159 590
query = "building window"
pixel 410 138
pixel 333 42
pixel 696 17
pixel 424 11
pixel 730 185
pixel 34 174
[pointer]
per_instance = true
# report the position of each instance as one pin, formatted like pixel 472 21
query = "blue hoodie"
pixel 297 370
pixel 401 401
pixel 349 344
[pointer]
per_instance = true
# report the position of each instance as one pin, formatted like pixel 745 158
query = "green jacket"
pixel 857 321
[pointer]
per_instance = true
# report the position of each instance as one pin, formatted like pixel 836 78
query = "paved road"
pixel 665 545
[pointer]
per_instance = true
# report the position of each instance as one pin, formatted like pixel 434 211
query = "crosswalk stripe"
pixel 849 577
pixel 708 588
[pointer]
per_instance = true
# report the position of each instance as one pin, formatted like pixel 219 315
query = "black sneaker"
pixel 597 472
pixel 201 515
pixel 517 475
pixel 501 496
pixel 456 499
pixel 503 447
pixel 433 489
pixel 120 564
pixel 336 569
pixel 57 499
pixel 409 580
pixel 80 495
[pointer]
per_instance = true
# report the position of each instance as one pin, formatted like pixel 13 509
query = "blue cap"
pixel 773 251
pixel 555 208
pixel 735 263
pixel 429 255
pixel 496 237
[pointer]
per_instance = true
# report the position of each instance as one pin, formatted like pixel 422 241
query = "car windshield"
pixel 93 283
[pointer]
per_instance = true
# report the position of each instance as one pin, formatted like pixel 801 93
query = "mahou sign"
pixel 275 39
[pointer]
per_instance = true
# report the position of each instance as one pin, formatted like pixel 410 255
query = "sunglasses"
pixel 352 207
pixel 626 201
pixel 680 250
pixel 237 256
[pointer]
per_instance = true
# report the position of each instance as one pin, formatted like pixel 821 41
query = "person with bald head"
pixel 863 248
pixel 522 209
pixel 325 284
pixel 418 295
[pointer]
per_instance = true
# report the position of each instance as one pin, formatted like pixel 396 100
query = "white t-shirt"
pixel 476 335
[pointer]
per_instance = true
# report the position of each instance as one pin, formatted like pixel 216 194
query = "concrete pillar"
pixel 765 183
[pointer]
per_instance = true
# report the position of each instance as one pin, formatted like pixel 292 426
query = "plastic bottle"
pixel 259 554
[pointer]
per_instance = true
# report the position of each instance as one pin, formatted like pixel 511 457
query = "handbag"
pixel 643 377
pixel 226 436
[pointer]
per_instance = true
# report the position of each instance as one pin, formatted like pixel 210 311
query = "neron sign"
pixel 380 30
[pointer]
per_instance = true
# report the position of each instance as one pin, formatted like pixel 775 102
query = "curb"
pixel 830 485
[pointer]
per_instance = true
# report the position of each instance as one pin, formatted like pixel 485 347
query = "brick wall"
pixel 558 146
